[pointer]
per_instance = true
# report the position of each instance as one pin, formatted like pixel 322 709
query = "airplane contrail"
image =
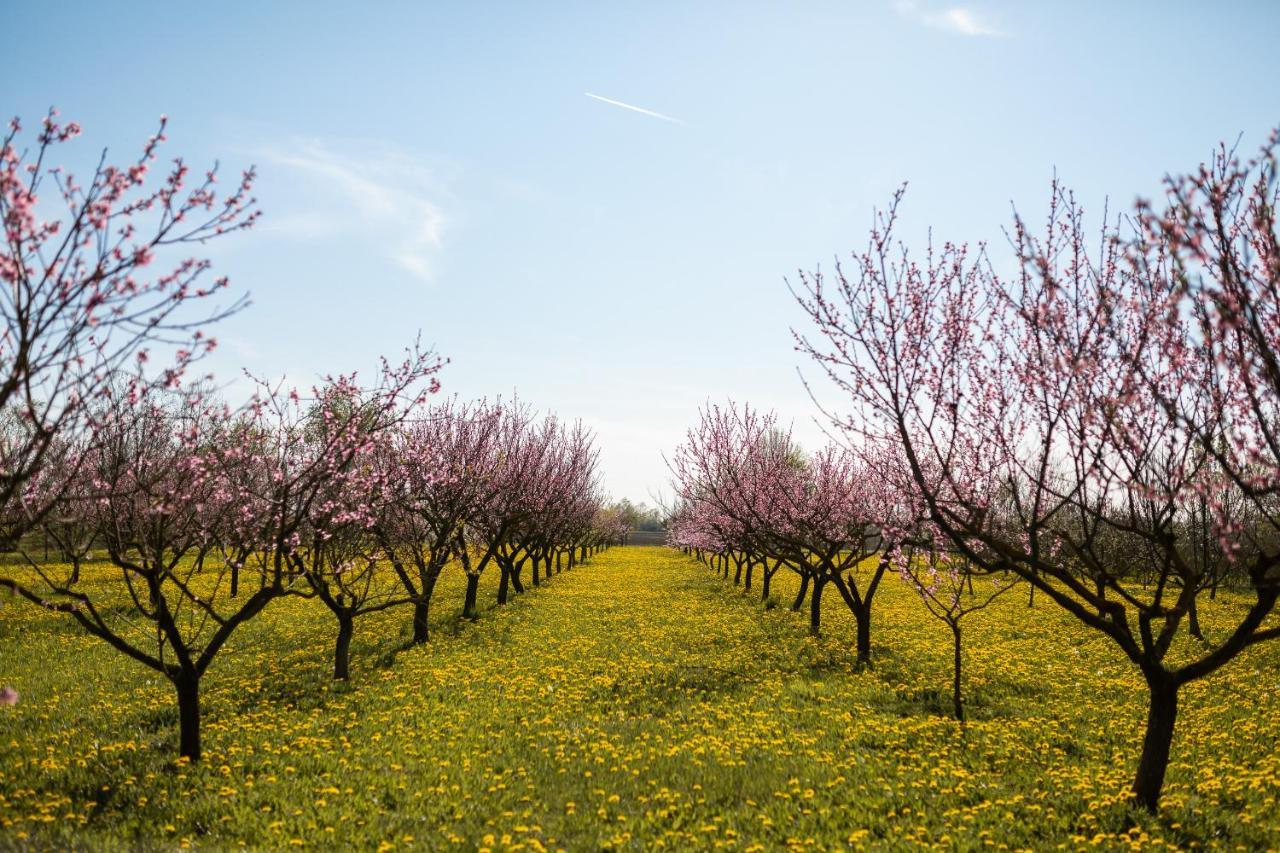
pixel 635 109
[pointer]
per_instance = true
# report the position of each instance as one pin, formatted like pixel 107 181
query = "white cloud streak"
pixel 633 108
pixel 383 200
pixel 956 19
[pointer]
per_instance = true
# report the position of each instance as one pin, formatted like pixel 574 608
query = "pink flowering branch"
pixel 82 296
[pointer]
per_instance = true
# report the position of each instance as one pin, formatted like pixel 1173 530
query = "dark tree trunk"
pixel 860 607
pixel 516 583
pixel 421 626
pixel 804 590
pixel 957 701
pixel 422 609
pixel 342 649
pixel 746 580
pixel 504 581
pixel 1161 715
pixel 815 606
pixel 862 616
pixel 1194 621
pixel 536 581
pixel 235 580
pixel 469 605
pixel 188 686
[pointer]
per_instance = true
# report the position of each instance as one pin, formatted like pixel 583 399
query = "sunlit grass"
pixel 638 701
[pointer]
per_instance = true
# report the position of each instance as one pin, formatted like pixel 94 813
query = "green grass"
pixel 636 702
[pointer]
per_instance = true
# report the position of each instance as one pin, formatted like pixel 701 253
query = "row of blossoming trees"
pixel 177 519
pixel 749 498
pixel 1102 425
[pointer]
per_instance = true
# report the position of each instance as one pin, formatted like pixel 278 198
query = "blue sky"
pixel 439 167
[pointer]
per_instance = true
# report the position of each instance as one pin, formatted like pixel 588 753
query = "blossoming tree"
pixel 1064 423
pixel 81 304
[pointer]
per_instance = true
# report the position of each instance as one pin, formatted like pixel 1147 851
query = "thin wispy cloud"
pixel 961 20
pixel 386 200
pixel 633 108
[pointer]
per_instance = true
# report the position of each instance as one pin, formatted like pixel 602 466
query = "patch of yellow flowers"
pixel 641 703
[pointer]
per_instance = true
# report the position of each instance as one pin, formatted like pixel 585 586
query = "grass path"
pixel 635 702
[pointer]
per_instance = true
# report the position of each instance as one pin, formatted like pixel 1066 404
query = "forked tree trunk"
pixel 188 687
pixel 860 607
pixel 746 580
pixel 1162 713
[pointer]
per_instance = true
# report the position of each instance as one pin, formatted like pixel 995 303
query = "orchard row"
pixel 177 519
pixel 1102 424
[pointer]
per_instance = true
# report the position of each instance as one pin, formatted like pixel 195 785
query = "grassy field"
pixel 636 702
